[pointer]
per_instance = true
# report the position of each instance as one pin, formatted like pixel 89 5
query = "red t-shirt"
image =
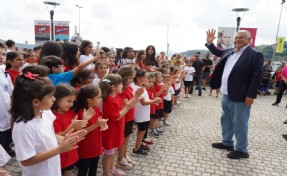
pixel 114 136
pixel 141 65
pixel 151 97
pixel 13 74
pixel 278 76
pixel 157 88
pixel 128 94
pixel 61 123
pixel 91 146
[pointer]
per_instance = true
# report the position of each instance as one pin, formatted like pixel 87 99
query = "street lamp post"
pixel 238 18
pixel 79 18
pixel 54 4
pixel 274 49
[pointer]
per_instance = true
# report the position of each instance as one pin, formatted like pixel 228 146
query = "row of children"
pixel 148 99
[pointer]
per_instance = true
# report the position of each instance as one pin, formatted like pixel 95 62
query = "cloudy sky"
pixel 138 23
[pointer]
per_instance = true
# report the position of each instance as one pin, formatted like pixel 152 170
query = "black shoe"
pixel 140 151
pixel 203 88
pixel 222 146
pixel 237 155
pixel 285 122
pixel 145 147
pixel 284 136
pixel 275 104
pixel 199 94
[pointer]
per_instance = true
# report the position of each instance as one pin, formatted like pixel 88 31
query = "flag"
pixel 280 44
pixel 253 35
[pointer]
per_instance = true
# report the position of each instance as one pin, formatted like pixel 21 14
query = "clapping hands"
pixel 102 123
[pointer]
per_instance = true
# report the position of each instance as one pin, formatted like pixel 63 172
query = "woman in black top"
pixel 150 60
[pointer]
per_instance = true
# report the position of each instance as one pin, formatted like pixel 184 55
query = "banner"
pixel 225 37
pixel 42 32
pixel 62 31
pixel 253 35
pixel 280 44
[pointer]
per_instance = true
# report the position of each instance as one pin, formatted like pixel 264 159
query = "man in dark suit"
pixel 238 75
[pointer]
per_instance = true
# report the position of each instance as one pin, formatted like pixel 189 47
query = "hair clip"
pixel 106 80
pixel 31 76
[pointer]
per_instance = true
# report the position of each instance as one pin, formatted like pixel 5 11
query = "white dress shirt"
pixel 231 61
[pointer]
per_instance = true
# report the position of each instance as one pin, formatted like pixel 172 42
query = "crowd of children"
pixel 80 104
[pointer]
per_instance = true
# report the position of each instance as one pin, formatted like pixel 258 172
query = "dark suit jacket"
pixel 245 77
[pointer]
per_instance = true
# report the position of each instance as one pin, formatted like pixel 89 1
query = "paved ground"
pixel 185 147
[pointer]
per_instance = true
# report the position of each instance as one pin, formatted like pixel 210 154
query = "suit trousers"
pixel 234 122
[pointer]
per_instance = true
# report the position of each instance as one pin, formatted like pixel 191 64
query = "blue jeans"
pixel 197 79
pixel 234 121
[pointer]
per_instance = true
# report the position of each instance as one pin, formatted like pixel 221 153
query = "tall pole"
pixel 274 49
pixel 238 17
pixel 79 19
pixel 52 24
pixel 238 23
pixel 53 4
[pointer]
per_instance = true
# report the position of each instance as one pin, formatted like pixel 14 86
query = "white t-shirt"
pixel 177 83
pixel 142 113
pixel 84 58
pixel 96 81
pixel 4 157
pixel 6 88
pixel 168 95
pixel 189 71
pixel 34 137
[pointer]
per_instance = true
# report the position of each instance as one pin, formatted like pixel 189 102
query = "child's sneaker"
pixel 159 130
pixel 140 152
pixel 116 172
pixel 160 123
pixel 175 107
pixel 129 160
pixel 124 164
pixel 155 133
pixel 166 123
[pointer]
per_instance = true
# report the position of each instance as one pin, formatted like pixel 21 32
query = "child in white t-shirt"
pixel 169 99
pixel 36 145
pixel 142 110
pixel 86 49
pixel 188 78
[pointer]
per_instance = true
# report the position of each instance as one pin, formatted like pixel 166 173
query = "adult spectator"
pixel 150 61
pixel 198 66
pixel 238 75
pixel 283 86
pixel 206 70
